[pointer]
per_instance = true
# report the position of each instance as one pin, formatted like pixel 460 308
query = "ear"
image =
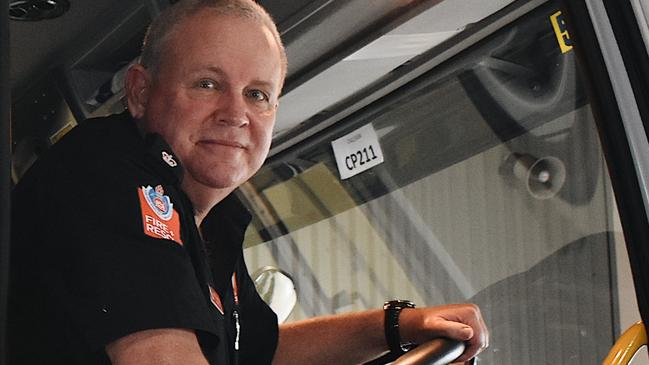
pixel 137 90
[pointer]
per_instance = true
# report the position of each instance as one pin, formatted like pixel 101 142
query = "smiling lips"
pixel 221 142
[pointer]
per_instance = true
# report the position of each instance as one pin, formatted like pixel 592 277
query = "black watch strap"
pixel 392 311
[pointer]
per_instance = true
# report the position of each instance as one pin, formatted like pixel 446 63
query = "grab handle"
pixel 440 351
pixel 627 345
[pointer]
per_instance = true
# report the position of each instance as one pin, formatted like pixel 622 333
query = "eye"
pixel 258 95
pixel 207 84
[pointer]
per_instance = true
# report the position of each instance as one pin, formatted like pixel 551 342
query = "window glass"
pixel 493 190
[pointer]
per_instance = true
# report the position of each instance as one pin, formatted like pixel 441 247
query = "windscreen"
pixel 492 189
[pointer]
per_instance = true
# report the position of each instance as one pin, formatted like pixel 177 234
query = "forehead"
pixel 229 42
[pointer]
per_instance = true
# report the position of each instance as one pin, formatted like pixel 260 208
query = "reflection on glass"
pixel 277 289
pixel 494 190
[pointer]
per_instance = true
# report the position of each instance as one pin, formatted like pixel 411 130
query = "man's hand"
pixel 461 322
pixel 358 337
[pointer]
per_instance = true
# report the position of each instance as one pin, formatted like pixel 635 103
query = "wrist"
pixel 392 325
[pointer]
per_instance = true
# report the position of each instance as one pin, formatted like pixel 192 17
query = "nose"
pixel 232 110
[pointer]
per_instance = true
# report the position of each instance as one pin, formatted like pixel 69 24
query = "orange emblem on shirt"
pixel 159 218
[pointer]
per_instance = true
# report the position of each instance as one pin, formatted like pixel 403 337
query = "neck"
pixel 203 198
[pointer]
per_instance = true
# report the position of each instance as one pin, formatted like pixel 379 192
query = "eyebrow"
pixel 216 70
pixel 256 82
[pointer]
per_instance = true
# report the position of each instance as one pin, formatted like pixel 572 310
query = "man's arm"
pixel 355 338
pixel 167 346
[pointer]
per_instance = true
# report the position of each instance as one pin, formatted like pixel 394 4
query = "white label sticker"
pixel 358 151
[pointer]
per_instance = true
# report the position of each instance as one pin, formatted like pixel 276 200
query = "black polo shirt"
pixel 104 244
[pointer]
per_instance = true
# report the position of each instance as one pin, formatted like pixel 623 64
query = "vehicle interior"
pixel 436 150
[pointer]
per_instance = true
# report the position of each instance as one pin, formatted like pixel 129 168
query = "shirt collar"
pixel 229 217
pixel 224 229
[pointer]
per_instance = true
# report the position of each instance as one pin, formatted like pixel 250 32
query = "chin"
pixel 222 181
pixel 220 176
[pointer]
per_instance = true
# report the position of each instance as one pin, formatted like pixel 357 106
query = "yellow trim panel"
pixel 627 345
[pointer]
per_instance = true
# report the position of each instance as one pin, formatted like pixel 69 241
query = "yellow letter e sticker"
pixel 561 31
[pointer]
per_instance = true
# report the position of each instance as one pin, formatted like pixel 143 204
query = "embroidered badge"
pixel 159 218
pixel 216 300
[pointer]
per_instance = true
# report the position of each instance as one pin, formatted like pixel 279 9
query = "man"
pixel 127 241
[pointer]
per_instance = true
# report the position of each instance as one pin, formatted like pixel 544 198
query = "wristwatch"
pixel 392 310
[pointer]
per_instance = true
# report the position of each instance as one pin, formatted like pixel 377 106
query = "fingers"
pixel 471 317
pixel 454 330
pixel 462 322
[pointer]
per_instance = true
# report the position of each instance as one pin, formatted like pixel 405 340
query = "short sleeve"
pixel 84 229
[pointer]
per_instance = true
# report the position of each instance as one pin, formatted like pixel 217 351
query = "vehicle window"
pixel 493 189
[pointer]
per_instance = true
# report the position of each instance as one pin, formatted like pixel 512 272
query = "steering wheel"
pixel 440 351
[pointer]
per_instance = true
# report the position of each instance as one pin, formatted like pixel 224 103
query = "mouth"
pixel 221 142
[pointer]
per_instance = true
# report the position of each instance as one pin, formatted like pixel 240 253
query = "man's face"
pixel 214 96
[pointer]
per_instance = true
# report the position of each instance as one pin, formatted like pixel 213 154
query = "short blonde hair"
pixel 153 48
